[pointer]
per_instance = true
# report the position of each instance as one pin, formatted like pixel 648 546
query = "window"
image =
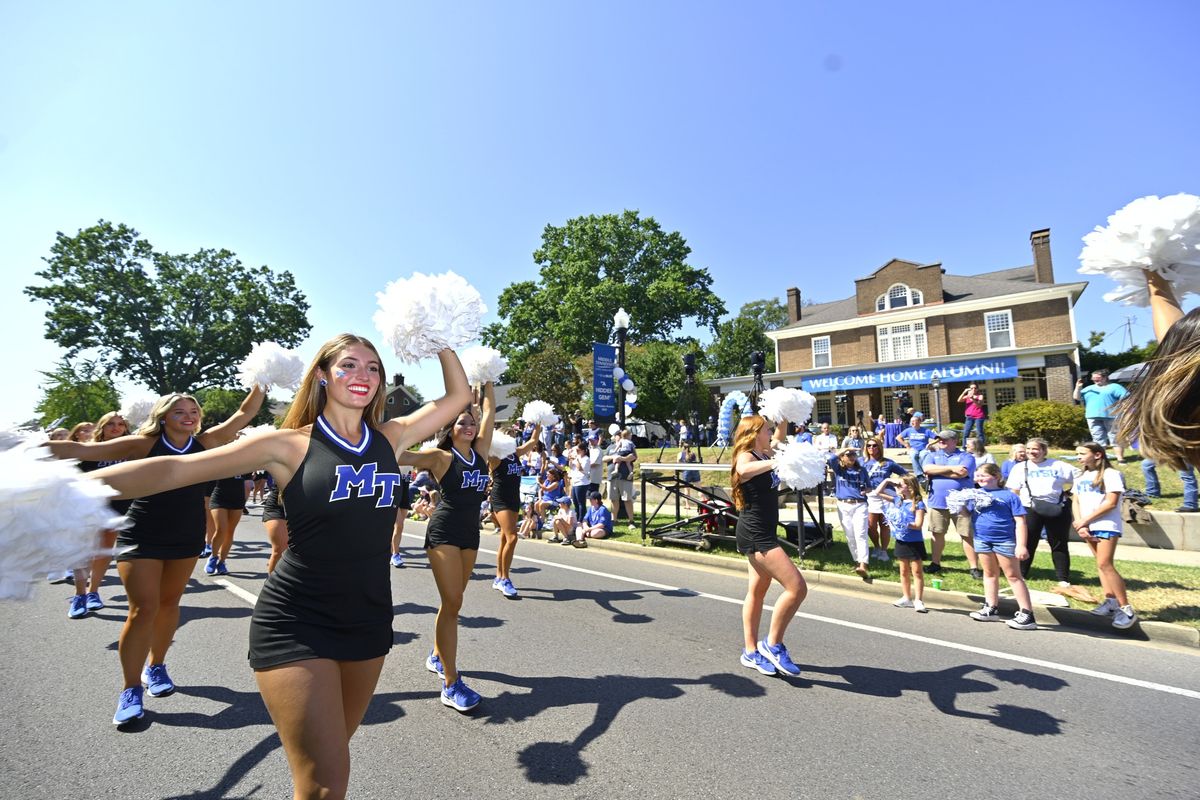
pixel 898 296
pixel 998 325
pixel 902 341
pixel 820 351
pixel 824 409
pixel 1004 396
pixel 1029 391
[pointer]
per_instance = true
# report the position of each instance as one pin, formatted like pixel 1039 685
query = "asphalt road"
pixel 615 676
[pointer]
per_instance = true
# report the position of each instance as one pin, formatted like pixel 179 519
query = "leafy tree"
pixel 590 267
pixel 663 395
pixel 171 322
pixel 549 375
pixel 1092 358
pixel 736 338
pixel 79 392
pixel 220 404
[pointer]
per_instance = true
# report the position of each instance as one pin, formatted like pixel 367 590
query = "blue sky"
pixel 790 143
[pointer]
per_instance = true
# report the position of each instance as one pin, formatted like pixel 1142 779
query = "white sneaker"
pixel 1064 584
pixel 903 602
pixel 920 607
pixel 882 555
pixel 1107 608
pixel 1124 618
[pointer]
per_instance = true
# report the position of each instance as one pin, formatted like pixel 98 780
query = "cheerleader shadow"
pixel 606 599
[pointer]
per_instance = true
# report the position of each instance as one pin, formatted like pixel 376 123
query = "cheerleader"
pixel 226 504
pixel 505 497
pixel 110 426
pixel 274 519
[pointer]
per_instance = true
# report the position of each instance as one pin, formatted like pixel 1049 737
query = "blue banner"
pixel 884 376
pixel 604 401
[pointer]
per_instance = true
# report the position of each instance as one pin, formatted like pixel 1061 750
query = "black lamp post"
pixel 621 323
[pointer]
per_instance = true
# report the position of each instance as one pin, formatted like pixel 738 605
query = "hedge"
pixel 1061 424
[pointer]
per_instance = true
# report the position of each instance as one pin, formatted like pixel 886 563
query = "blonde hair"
pixel 743 442
pixel 77 428
pixel 994 471
pixel 98 433
pixel 914 486
pixel 153 424
pixel 310 397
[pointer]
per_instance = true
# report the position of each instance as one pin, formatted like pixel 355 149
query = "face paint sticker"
pixel 339 373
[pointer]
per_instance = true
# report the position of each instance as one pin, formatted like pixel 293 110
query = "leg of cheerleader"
pixel 78 608
pixel 175 575
pixel 508 542
pixel 210 528
pixel 99 567
pixel 277 534
pixel 227 522
pixel 397 536
pixel 452 567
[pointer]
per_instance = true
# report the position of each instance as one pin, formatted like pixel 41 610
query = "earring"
pixel 324 382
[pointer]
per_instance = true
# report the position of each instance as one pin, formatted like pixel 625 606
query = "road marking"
pixel 238 591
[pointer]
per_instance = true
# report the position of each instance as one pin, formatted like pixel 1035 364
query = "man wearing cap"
pixel 948 469
pixel 803 434
pixel 620 475
pixel 915 438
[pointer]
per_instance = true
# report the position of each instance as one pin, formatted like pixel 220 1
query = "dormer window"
pixel 898 296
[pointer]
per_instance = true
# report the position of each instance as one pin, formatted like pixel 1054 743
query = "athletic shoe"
pixel 507 589
pixel 207 551
pixel 78 609
pixel 1107 608
pixel 129 706
pixel 933 568
pixel 568 540
pixel 496 582
pixel 222 569
pixel 555 539
pixel 1064 584
pixel 1187 510
pixel 94 603
pixel 778 655
pixel 882 555
pixel 1124 618
pixel 434 665
pixel 397 560
pixel 977 573
pixel 459 696
pixel 157 681
pixel 903 602
pixel 211 566
pixel 986 613
pixel 755 660
pixel 1023 621
pixel 920 607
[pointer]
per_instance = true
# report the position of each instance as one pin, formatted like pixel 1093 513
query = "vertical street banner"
pixel 604 402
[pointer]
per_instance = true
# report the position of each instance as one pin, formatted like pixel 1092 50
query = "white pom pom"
pixel 782 403
pixel 1160 234
pixel 503 445
pixel 270 364
pixel 50 518
pixel 257 430
pixel 896 516
pixel 20 438
pixel 614 429
pixel 483 364
pixel 423 315
pixel 800 465
pixel 960 500
pixel 137 410
pixel 539 412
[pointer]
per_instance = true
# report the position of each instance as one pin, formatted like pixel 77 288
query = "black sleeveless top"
pixel 229 493
pixel 169 524
pixel 456 519
pixel 330 596
pixel 506 484
pixel 119 506
pixel 758 520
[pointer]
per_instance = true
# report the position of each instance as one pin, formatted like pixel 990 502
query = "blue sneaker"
pixel 754 660
pixel 434 665
pixel 397 560
pixel 207 551
pixel 94 603
pixel 129 706
pixel 157 681
pixel 222 569
pixel 506 588
pixel 459 696
pixel 211 566
pixel 78 609
pixel 778 655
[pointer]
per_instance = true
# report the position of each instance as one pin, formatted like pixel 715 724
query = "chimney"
pixel 397 380
pixel 793 304
pixel 1043 268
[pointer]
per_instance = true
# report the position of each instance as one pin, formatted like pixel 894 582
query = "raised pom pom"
pixel 503 445
pixel 483 364
pixel 1159 234
pixel 897 516
pixel 423 315
pixel 539 412
pixel 960 500
pixel 269 364
pixel 782 403
pixel 50 518
pixel 257 430
pixel 799 465
pixel 137 410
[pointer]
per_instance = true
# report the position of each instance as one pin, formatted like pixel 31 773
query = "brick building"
pixel 915 328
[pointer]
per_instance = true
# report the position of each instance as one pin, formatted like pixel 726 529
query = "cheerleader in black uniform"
pixel 110 426
pixel 323 621
pixel 459 464
pixel 505 501
pixel 157 553
pixel 226 505
pixel 274 519
pixel 756 497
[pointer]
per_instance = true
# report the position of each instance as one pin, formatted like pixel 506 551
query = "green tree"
pixel 735 339
pixel 590 267
pixel 1092 358
pixel 80 392
pixel 170 322
pixel 220 404
pixel 663 394
pixel 548 375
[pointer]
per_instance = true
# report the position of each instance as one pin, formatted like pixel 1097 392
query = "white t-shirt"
pixel 1090 498
pixel 596 472
pixel 581 468
pixel 1046 481
pixel 825 441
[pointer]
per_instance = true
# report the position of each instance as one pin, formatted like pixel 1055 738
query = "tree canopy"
pixel 171 322
pixel 220 404
pixel 663 393
pixel 80 392
pixel 1092 358
pixel 735 339
pixel 590 267
pixel 548 375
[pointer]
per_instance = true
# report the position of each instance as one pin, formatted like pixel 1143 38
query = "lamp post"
pixel 936 384
pixel 621 323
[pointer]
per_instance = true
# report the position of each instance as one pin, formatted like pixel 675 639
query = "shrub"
pixel 1061 424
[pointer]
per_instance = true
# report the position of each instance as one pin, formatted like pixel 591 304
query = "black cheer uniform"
pixel 506 485
pixel 167 525
pixel 757 521
pixel 330 596
pixel 118 506
pixel 271 507
pixel 456 519
pixel 229 493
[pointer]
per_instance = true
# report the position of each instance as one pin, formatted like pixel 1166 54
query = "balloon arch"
pixel 735 399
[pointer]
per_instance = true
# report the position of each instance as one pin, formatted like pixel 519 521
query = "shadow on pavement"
pixel 606 599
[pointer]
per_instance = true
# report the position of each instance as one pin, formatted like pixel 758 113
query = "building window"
pixel 820 351
pixel 1004 396
pixel 1030 391
pixel 898 296
pixel 902 341
pixel 824 409
pixel 998 325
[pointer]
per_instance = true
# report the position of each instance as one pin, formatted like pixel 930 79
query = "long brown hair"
pixel 743 442
pixel 310 397
pixel 1098 450
pixel 153 424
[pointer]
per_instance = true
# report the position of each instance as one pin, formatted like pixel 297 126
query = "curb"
pixel 1163 632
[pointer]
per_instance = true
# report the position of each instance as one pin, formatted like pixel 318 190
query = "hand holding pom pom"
pixel 269 365
pixel 483 364
pixel 503 445
pixel 800 465
pixel 539 412
pixel 782 404
pixel 425 314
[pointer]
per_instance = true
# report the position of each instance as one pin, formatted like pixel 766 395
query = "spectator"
pixel 850 486
pixel 564 522
pixel 880 426
pixel 803 434
pixel 580 471
pixel 1015 456
pixel 853 438
pixel 1044 486
pixel 905 493
pixel 1099 488
pixel 685 434
pixel 975 412
pixel 620 482
pixel 1187 476
pixel 825 440
pixel 597 522
pixel 687 456
pixel 552 488
pixel 1002 537
pixel 879 468
pixel 915 439
pixel 949 468
pixel 710 431
pixel 1098 401
pixel 975 447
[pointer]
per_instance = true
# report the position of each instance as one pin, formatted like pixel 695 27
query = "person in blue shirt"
pixel 902 494
pixel 1000 541
pixel 597 522
pixel 916 439
pixel 949 468
pixel 850 486
pixel 1098 401
pixel 879 468
pixel 803 434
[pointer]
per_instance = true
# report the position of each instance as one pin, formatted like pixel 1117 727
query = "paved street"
pixel 615 676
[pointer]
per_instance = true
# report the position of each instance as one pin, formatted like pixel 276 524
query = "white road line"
pixel 238 591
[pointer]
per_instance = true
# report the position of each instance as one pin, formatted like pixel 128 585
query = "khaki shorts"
pixel 939 523
pixel 620 488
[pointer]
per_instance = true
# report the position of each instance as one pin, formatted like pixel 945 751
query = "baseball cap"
pixel 564 501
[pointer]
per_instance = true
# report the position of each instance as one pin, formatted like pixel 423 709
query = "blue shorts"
pixel 1105 534
pixel 1005 548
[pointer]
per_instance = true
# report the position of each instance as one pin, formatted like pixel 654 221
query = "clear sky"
pixel 790 143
